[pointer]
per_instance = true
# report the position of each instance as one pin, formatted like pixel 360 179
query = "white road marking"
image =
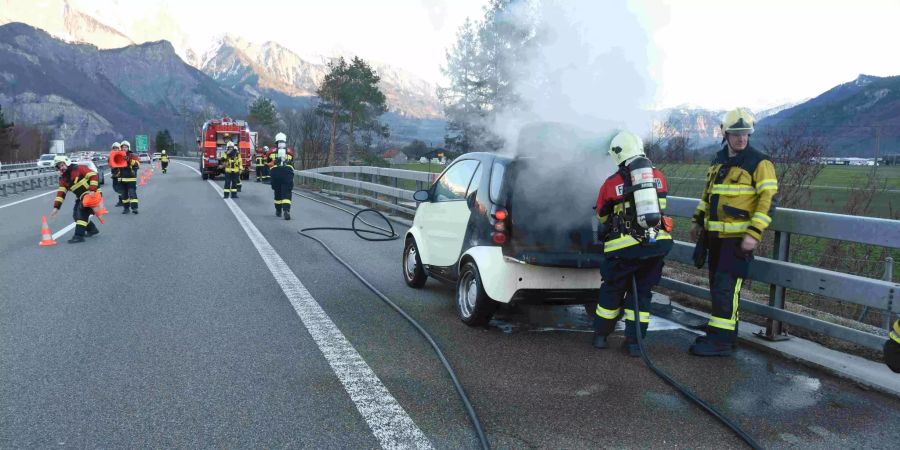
pixel 388 421
pixel 63 231
pixel 34 197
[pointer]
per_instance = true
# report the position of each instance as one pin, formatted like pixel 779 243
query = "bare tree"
pixel 796 154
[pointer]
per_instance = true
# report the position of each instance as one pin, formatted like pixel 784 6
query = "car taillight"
pixel 499 235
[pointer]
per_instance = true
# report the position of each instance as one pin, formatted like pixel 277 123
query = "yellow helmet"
pixel 624 146
pixel 737 121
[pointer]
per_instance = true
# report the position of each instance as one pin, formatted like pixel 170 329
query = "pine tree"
pixel 263 116
pixel 164 141
pixel 8 143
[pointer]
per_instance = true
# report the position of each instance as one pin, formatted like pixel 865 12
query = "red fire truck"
pixel 214 136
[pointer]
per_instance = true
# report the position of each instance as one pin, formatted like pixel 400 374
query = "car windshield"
pixel 46 157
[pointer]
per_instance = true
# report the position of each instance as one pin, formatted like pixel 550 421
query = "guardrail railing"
pixel 34 178
pixel 365 183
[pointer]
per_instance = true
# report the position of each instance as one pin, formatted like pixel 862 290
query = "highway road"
pixel 204 322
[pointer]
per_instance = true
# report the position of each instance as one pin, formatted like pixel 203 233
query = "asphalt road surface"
pixel 204 322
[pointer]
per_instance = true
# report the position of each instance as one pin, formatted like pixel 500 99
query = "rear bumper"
pixel 506 279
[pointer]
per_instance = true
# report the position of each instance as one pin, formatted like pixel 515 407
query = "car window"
pixel 453 184
pixel 476 181
pixel 497 181
pixel 46 157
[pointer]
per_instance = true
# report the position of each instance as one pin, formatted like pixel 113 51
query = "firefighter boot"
pixel 92 229
pixel 710 347
pixel 226 195
pixel 287 214
pixel 126 210
pixel 76 239
pixel 277 210
pixel 119 203
pixel 631 348
pixel 234 194
pixel 599 341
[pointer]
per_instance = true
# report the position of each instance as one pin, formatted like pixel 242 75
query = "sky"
pixel 715 54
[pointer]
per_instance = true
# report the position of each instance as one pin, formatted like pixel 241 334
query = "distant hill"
pixel 847 116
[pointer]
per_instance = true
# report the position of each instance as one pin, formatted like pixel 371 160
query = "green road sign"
pixel 141 143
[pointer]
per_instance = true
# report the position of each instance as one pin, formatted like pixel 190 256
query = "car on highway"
pixel 155 156
pixel 90 164
pixel 144 157
pixel 498 228
pixel 46 161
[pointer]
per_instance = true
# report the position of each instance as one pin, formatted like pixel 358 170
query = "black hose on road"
pixel 390 235
pixel 680 388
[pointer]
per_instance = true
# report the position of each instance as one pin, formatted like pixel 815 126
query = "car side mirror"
pixel 421 196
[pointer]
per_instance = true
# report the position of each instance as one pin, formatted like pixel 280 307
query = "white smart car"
pixel 507 229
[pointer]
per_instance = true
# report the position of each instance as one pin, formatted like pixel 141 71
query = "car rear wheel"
pixel 473 306
pixel 413 272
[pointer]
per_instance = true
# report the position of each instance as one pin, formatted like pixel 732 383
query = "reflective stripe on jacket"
pixel 740 194
pixel 78 180
pixel 234 165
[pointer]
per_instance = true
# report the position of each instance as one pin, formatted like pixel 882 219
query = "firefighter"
pixel 260 164
pixel 280 143
pixel 117 185
pixel 282 177
pixel 79 180
pixel 636 237
pixel 128 179
pixel 164 161
pixel 892 348
pixel 735 209
pixel 233 168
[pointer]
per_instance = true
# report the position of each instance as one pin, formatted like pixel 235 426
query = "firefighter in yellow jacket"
pixel 233 168
pixel 892 348
pixel 164 161
pixel 735 209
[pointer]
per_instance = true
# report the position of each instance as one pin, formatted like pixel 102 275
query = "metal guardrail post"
pixel 396 185
pixel 888 276
pixel 781 252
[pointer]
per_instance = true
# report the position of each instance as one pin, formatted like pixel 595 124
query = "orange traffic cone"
pixel 143 181
pixel 95 201
pixel 46 235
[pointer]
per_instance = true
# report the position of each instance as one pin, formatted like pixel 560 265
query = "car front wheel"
pixel 413 272
pixel 473 306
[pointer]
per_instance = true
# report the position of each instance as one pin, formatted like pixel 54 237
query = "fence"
pixel 393 189
pixel 28 176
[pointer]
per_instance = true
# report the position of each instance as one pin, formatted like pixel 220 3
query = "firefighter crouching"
pixel 128 179
pixel 262 170
pixel 164 161
pixel 636 238
pixel 892 348
pixel 282 177
pixel 233 168
pixel 79 180
pixel 734 210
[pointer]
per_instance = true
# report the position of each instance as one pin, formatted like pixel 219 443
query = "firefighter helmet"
pixel 624 146
pixel 280 137
pixel 265 148
pixel 61 159
pixel 114 145
pixel 229 144
pixel 737 121
pixel 163 152
pixel 124 144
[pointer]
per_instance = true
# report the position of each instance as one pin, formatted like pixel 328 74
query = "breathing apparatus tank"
pixel 628 148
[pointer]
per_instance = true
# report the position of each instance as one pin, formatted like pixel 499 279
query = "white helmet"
pixel 163 152
pixel 124 144
pixel 114 145
pixel 229 144
pixel 266 148
pixel 624 146
pixel 280 137
pixel 61 159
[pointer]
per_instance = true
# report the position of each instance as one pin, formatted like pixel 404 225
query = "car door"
pixel 445 217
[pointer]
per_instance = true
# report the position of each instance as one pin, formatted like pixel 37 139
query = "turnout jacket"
pixel 128 173
pixel 234 164
pixel 740 194
pixel 78 180
pixel 614 209
pixel 164 158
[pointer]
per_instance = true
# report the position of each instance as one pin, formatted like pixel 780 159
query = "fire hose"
pixel 388 234
pixel 680 388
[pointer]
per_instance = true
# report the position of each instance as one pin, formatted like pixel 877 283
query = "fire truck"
pixel 214 136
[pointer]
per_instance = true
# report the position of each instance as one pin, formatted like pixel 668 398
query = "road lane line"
pixel 63 231
pixel 388 421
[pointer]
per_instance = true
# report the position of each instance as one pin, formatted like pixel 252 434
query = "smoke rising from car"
pixel 588 74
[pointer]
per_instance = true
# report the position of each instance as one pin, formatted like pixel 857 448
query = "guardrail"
pixel 882 295
pixel 33 179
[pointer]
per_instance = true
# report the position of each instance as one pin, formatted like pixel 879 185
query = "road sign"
pixel 141 143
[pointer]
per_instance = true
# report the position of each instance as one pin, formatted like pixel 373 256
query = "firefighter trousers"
pixel 614 303
pixel 129 194
pixel 231 182
pixel 282 196
pixel 82 218
pixel 165 166
pixel 260 172
pixel 728 266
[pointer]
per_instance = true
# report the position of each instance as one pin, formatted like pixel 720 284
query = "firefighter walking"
pixel 734 210
pixel 79 180
pixel 636 237
pixel 128 179
pixel 262 170
pixel 282 177
pixel 233 168
pixel 164 161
